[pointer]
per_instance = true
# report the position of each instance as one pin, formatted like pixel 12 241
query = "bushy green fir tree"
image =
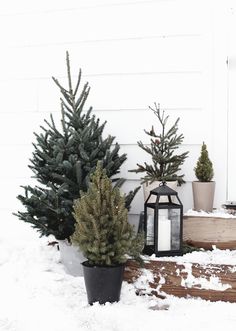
pixel 166 164
pixel 204 168
pixel 63 160
pixel 102 230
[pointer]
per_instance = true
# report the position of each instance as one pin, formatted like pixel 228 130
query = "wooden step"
pixel 203 232
pixel 183 280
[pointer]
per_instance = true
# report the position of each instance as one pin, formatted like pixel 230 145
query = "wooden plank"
pixel 183 280
pixel 207 231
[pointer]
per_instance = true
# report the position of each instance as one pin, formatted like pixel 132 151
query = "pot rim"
pixel 86 264
pixel 198 181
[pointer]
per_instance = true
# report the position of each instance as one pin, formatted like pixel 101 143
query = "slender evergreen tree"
pixel 63 159
pixel 166 164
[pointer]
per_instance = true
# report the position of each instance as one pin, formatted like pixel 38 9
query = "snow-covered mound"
pixel 36 294
pixel 215 213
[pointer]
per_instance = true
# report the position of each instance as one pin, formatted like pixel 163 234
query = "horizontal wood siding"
pixel 132 53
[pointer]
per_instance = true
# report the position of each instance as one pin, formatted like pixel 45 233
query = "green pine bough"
pixel 166 164
pixel 204 168
pixel 64 158
pixel 48 211
pixel 102 230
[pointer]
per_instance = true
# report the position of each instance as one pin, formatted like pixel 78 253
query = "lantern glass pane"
pixel 150 227
pixel 174 216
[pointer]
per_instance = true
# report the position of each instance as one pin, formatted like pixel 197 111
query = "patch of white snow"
pixel 222 213
pixel 213 283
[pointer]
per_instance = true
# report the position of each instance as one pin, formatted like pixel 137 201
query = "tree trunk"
pixel 212 282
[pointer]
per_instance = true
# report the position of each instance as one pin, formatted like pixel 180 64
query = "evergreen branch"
pixel 62 89
pixel 119 182
pixel 130 196
pixel 68 98
pixel 78 82
pixel 66 106
pixel 68 72
pixel 63 122
pixel 53 123
pixel 53 128
pixel 83 97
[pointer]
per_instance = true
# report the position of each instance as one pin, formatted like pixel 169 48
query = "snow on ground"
pixel 222 213
pixel 215 256
pixel 36 294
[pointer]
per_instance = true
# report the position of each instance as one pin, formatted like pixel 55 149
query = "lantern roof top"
pixel 163 189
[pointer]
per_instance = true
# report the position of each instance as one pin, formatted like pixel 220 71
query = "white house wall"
pixel 133 53
pixel 231 179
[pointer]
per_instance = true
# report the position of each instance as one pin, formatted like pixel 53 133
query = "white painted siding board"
pixel 231 176
pixel 218 144
pixel 112 92
pixel 18 96
pixel 49 95
pixel 128 126
pixel 172 90
pixel 16 161
pixel 14 7
pixel 107 57
pixel 186 196
pixel 32 63
pixel 142 55
pixel 10 188
pixel 17 128
pixel 106 22
pixel 132 53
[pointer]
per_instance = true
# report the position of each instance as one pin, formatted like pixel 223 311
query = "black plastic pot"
pixel 103 284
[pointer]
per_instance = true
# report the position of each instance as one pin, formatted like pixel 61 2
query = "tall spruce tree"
pixel 166 164
pixel 63 160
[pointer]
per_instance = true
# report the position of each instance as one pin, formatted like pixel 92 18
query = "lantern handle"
pixel 163 183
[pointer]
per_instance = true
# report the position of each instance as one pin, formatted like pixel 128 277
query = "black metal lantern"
pixel 163 222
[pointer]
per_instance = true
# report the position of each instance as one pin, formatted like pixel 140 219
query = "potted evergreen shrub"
pixel 204 188
pixel 63 158
pixel 165 162
pixel 105 237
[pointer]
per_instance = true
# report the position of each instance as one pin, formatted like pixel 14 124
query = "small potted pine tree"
pixel 165 162
pixel 105 237
pixel 204 188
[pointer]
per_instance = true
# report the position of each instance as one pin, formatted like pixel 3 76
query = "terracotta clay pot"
pixel 203 195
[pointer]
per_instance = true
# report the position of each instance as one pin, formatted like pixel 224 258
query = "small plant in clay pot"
pixel 204 188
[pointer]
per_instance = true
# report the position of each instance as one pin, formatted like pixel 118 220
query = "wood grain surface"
pixel 184 280
pixel 204 232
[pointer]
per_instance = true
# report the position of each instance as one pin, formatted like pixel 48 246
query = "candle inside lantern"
pixel 164 231
pixel 164 234
pixel 163 213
